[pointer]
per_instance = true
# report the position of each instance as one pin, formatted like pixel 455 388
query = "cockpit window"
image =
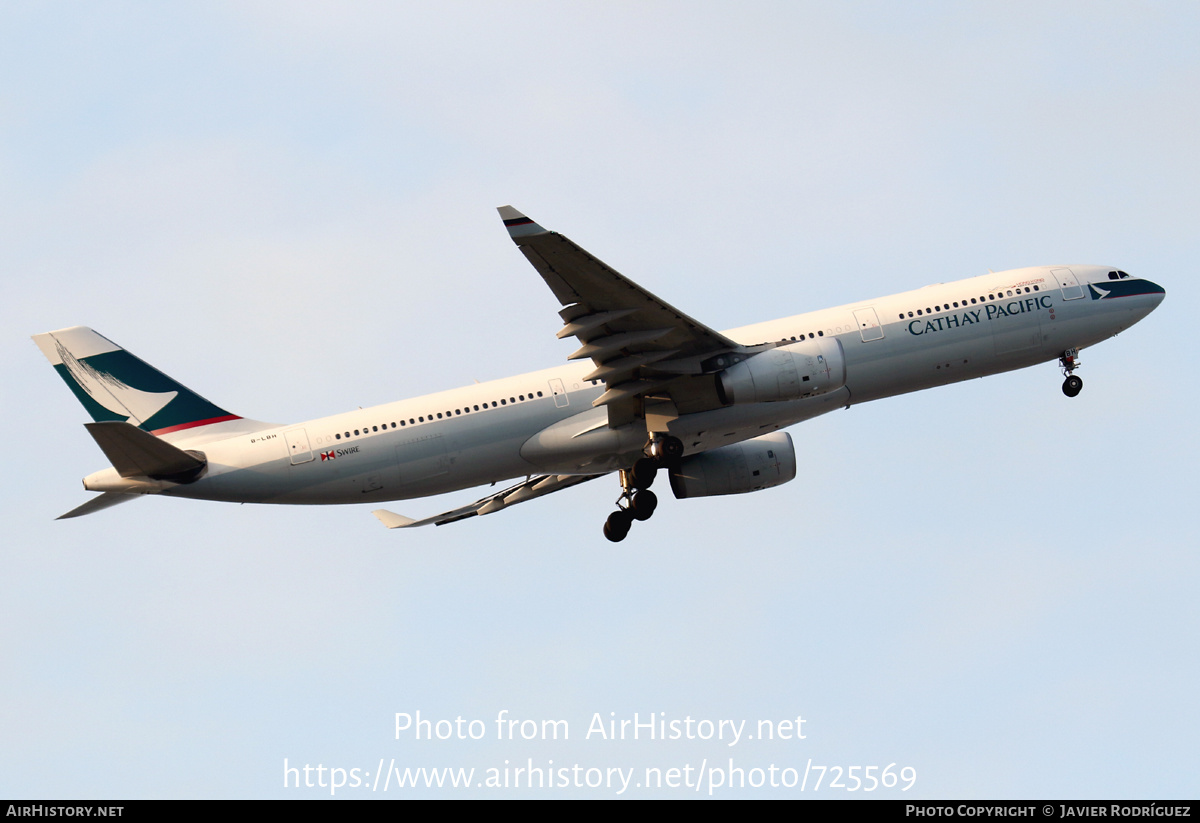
pixel 1117 275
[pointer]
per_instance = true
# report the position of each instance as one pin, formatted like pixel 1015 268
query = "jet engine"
pixel 769 460
pixel 790 372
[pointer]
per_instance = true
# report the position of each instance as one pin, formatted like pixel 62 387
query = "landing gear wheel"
pixel 672 448
pixel 616 528
pixel 643 472
pixel 1069 361
pixel 643 505
pixel 665 449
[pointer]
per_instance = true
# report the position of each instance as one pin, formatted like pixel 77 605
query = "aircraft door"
pixel 1065 278
pixel 298 448
pixel 560 393
pixel 868 324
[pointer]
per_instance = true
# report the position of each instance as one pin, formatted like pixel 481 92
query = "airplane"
pixel 649 389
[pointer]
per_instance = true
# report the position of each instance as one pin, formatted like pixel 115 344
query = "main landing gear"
pixel 1072 385
pixel 637 502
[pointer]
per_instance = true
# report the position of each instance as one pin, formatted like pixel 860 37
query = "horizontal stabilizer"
pixel 102 501
pixel 137 453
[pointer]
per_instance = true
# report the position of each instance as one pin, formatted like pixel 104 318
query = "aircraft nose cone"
pixel 1155 291
pixel 1149 296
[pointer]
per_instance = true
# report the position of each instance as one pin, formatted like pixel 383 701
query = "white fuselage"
pixel 543 422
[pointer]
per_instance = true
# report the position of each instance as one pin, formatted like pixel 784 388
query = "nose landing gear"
pixel 1072 385
pixel 637 502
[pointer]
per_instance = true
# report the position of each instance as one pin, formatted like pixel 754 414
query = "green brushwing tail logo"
pixel 111 392
pixel 112 384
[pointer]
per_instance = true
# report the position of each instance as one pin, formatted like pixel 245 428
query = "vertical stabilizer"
pixel 113 385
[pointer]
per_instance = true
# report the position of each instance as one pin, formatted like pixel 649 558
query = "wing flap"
pixel 619 369
pixel 602 347
pixel 528 489
pixel 584 323
pixel 628 390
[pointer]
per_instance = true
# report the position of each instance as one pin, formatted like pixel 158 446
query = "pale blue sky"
pixel 290 208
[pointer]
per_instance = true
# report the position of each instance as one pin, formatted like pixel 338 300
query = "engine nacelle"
pixel 766 461
pixel 803 369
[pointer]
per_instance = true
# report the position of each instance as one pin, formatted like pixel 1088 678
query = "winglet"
pixel 518 225
pixel 393 520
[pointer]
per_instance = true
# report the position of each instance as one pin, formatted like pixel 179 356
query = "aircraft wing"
pixel 642 346
pixel 525 490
